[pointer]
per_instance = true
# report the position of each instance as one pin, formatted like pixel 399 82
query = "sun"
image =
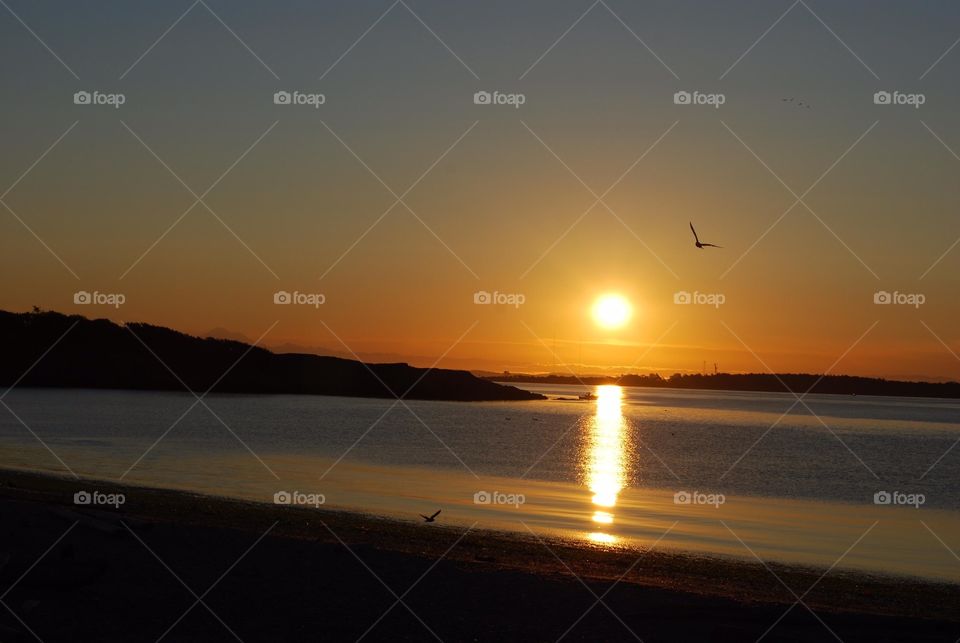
pixel 612 311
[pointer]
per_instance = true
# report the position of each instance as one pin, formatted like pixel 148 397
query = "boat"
pixel 588 396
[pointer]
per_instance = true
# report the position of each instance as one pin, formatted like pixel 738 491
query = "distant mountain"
pixel 97 353
pixel 799 383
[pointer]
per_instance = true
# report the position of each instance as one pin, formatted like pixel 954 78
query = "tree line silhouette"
pixel 764 382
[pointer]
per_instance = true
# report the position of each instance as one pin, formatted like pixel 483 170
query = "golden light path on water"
pixel 606 459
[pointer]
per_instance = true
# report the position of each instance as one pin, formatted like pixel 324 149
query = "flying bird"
pixel 430 518
pixel 697 240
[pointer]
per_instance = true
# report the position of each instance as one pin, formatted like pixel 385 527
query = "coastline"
pixel 493 565
pixel 789 383
pixel 101 354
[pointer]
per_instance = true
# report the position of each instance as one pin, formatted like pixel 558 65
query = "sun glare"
pixel 612 311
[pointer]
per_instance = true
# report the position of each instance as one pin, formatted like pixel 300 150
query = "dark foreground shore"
pixel 276 573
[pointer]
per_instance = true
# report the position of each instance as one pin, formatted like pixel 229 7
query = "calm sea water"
pixel 709 468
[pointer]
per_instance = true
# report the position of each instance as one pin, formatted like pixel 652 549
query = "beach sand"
pixel 278 573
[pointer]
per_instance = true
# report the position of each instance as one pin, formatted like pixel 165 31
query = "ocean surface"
pixel 867 483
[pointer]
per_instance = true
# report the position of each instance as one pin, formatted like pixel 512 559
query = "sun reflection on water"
pixel 606 455
pixel 602 538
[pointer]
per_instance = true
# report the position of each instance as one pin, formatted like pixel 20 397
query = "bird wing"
pixel 422 516
pixel 711 245
pixel 436 514
pixel 694 233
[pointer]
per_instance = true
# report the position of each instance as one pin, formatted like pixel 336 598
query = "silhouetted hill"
pixel 797 382
pixel 97 353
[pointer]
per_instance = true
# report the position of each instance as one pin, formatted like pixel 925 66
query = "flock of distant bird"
pixel 797 102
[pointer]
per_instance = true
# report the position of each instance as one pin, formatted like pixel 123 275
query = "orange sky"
pixel 500 198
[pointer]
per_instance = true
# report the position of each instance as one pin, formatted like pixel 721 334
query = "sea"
pixel 861 483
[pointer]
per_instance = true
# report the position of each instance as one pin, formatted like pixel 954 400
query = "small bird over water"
pixel 431 518
pixel 697 240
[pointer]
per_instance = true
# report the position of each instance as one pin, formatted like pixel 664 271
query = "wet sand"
pixel 130 573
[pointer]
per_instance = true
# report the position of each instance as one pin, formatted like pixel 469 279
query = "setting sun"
pixel 612 311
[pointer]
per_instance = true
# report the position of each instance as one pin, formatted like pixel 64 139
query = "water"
pixel 793 484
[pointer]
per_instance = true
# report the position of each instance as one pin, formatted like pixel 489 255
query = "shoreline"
pixel 713 580
pixel 804 383
pixel 800 533
pixel 100 353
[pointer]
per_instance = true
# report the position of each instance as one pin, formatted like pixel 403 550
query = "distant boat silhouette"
pixel 431 518
pixel 697 240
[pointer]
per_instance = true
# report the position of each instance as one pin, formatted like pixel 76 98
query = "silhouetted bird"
pixel 430 518
pixel 799 103
pixel 697 240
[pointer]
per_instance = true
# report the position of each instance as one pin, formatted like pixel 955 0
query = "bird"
pixel 430 518
pixel 697 240
pixel 799 103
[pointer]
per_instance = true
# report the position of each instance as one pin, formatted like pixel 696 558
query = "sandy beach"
pixel 268 572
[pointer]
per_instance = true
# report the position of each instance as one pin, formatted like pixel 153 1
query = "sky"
pixel 399 198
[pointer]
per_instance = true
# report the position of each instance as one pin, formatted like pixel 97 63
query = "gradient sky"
pixel 489 211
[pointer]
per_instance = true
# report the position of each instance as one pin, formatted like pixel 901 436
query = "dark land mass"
pixel 284 573
pixel 798 383
pixel 56 350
